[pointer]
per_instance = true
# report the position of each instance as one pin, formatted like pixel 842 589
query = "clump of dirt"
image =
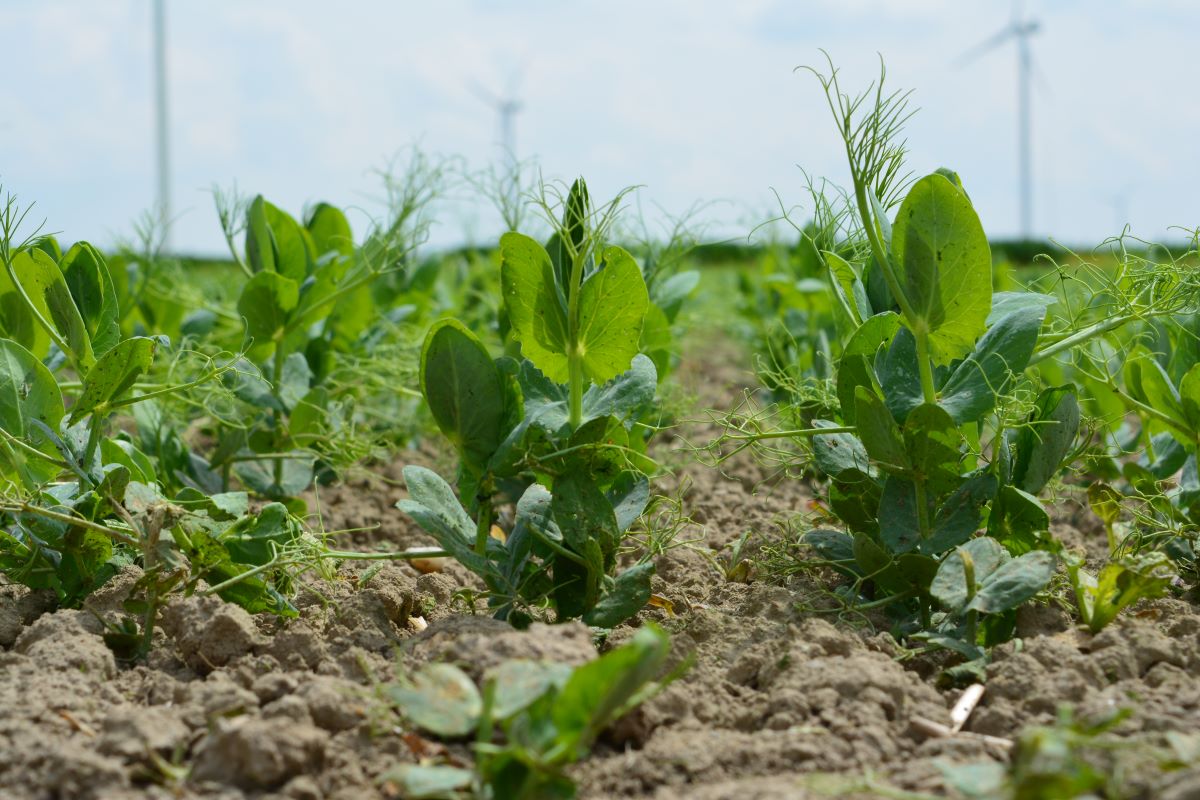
pixel 779 701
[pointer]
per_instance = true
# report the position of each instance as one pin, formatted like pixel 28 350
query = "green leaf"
pixel 932 442
pixel 879 432
pixel 612 306
pixel 899 523
pixel 960 514
pixel 435 508
pixel 1148 382
pixel 266 303
pixel 275 242
pixel 1122 583
pixel 1004 303
pixel 47 289
pixel 536 309
pixel 1016 519
pixel 669 295
pixel 1189 396
pixel 949 585
pixel 854 497
pixel 255 539
pixel 900 376
pixel 1002 353
pixel 855 366
pixel 836 453
pixel 441 699
pixel 466 392
pixel 944 265
pixel 429 781
pixel 114 375
pixel 91 286
pixel 625 395
pixel 28 392
pixel 601 690
pixel 629 595
pixel 1014 582
pixel 519 683
pixel 1047 439
pixel 583 513
pixel 330 231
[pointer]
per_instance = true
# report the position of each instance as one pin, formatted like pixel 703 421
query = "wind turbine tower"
pixel 1020 30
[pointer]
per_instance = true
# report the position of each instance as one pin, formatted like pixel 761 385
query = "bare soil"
pixel 782 701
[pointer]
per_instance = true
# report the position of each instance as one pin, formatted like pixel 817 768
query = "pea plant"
pixel 552 438
pixel 943 432
pixel 79 500
pixel 531 720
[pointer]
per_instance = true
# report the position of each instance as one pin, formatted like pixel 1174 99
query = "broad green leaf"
pixel 949 586
pixel 583 513
pixel 1047 438
pixel 91 286
pixel 535 307
pixel 1004 303
pixel 959 516
pixel 656 340
pixel 441 699
pixel 435 508
pixel 601 690
pixel 519 683
pixel 1105 502
pixel 944 265
pixel 28 392
pixel 612 306
pixel 1014 582
pixel 628 595
pixel 854 497
pixel 1016 519
pixel 114 375
pixel 932 443
pixel 988 372
pixel 275 242
pixel 1121 583
pixel 429 781
pixel 900 376
pixel 266 303
pixel 295 380
pixel 330 231
pixel 836 453
pixel 47 289
pixel 669 295
pixel 628 497
pixel 879 433
pixel 831 545
pixel 1149 383
pixel 256 539
pixel 854 372
pixel 624 395
pixel 899 523
pixel 260 248
pixel 465 390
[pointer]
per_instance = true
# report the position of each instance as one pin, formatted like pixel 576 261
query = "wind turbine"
pixel 507 107
pixel 162 151
pixel 1020 30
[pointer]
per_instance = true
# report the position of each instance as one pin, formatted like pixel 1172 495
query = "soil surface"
pixel 783 699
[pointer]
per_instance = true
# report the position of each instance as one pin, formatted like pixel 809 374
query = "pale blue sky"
pixel 696 100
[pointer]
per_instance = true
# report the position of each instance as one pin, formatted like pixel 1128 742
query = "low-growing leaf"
pixel 628 595
pixel 1014 582
pixel 879 432
pixel 949 586
pixel 1047 439
pixel 441 699
pixel 266 303
pixel 28 392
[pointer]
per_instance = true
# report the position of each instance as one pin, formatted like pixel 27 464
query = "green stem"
pixel 574 355
pixel 483 528
pixel 1080 336
pixel 924 364
pixel 67 519
pixel 277 413
pixel 972 617
pixel 94 428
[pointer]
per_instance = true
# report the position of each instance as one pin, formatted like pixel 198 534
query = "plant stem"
pixel 574 348
pixel 483 528
pixel 972 616
pixel 924 364
pixel 277 379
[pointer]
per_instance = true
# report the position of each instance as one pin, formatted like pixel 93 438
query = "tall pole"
pixel 1024 144
pixel 160 123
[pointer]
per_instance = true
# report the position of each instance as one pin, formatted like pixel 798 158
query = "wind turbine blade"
pixel 484 94
pixel 991 43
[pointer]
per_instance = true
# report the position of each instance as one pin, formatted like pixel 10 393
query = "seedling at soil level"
pixel 549 715
pixel 553 434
